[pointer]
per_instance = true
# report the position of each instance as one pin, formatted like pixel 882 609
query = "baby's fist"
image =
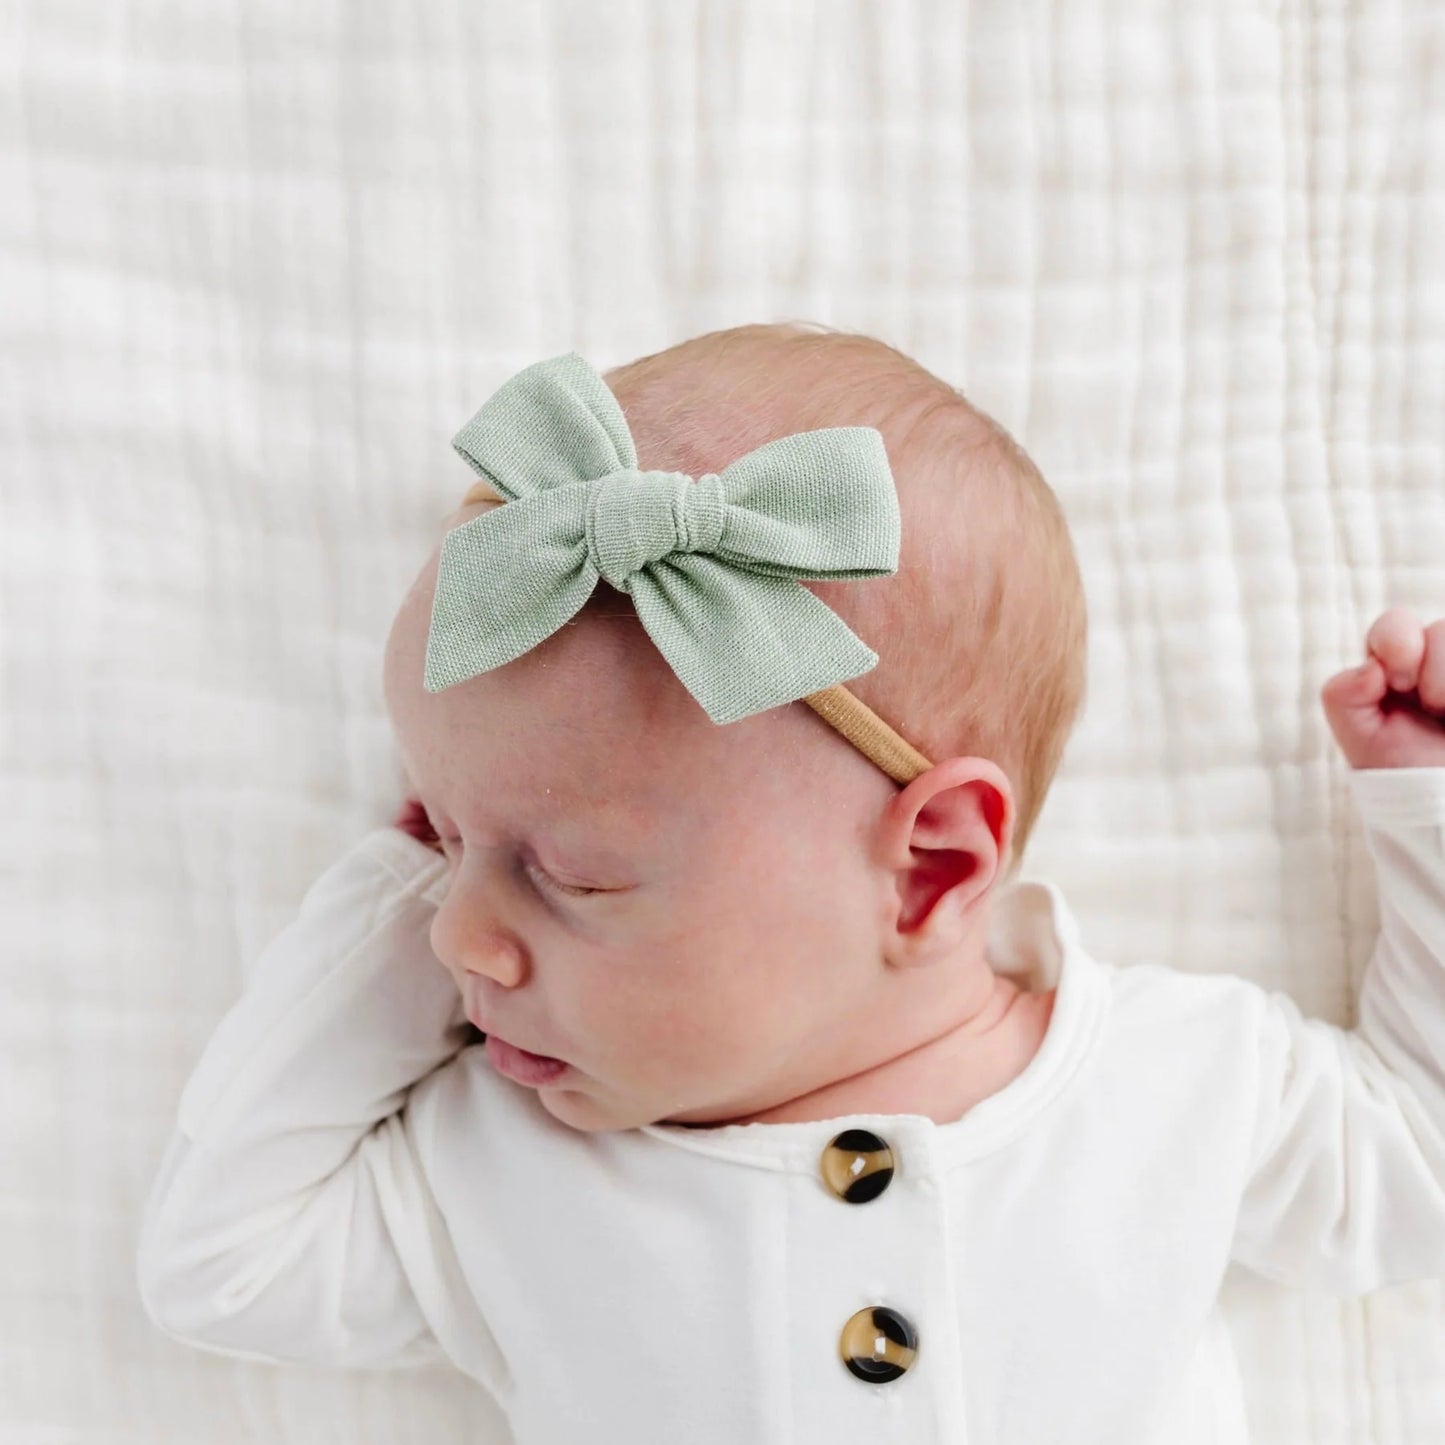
pixel 1390 713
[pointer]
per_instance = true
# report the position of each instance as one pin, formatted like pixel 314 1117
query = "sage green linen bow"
pixel 710 564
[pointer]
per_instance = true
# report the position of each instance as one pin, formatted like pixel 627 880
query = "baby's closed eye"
pixel 539 875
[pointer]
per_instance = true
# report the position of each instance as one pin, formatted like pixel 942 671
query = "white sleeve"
pixel 1346 1186
pixel 291 1219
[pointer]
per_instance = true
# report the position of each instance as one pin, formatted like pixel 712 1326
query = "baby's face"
pixel 686 913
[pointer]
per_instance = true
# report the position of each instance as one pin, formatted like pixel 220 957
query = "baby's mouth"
pixel 523 1066
pixel 474 1018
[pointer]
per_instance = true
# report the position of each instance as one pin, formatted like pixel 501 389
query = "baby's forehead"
pixel 531 777
pixel 582 715
pixel 464 513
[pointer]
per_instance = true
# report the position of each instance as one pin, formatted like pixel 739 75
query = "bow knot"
pixel 627 531
pixel 712 565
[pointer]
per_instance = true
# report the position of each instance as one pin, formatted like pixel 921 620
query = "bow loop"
pixel 711 564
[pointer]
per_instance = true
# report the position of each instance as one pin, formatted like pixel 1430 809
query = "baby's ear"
pixel 949 831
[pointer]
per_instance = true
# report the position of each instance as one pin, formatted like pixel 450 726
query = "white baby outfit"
pixel 350 1186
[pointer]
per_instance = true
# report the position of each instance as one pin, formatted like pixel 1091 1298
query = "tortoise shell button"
pixel 878 1344
pixel 857 1166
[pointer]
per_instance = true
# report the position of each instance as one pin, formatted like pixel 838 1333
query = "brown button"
pixel 857 1166
pixel 878 1344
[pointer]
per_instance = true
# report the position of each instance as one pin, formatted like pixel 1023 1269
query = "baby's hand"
pixel 1390 713
pixel 413 819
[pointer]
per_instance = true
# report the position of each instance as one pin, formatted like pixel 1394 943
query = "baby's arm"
pixel 291 1218
pixel 1346 1187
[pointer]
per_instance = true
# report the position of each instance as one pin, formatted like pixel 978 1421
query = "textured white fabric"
pixel 1058 1250
pixel 258 261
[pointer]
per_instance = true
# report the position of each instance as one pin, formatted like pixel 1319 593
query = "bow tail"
pixel 742 642
pixel 499 592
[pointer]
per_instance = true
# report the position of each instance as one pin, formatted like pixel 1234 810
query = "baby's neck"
pixel 942 1080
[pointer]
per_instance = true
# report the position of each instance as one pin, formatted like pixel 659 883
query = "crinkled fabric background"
pixel 260 261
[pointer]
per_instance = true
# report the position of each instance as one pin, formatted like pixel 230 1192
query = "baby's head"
pixel 769 913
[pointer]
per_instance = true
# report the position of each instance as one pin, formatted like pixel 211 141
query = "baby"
pixel 800 1118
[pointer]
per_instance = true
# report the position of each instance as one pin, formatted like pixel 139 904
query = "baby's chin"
pixel 582 1110
pixel 577 1109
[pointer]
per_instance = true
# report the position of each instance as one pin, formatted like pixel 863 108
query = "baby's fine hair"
pixel 982 632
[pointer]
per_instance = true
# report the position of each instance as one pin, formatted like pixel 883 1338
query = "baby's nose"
pixel 466 951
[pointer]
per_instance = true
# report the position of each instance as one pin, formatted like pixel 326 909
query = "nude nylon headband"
pixel 710 562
